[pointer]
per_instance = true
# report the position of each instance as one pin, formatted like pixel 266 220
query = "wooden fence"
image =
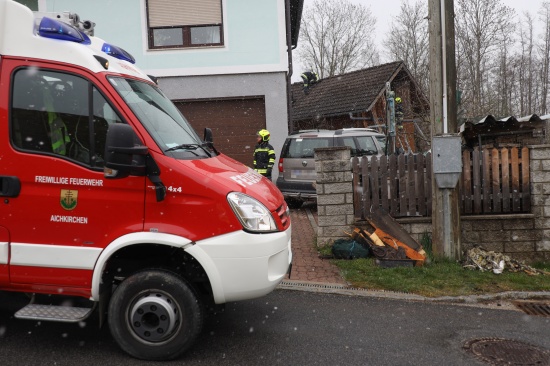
pixel 493 181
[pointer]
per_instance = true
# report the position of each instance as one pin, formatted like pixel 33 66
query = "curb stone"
pixel 469 300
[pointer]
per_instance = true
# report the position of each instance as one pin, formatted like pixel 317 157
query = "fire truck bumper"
pixel 242 265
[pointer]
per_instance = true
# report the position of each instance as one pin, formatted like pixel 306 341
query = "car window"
pixel 366 146
pixel 348 141
pixel 303 148
pixel 381 141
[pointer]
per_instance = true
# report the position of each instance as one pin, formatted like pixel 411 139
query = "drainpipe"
pixel 444 66
pixel 290 71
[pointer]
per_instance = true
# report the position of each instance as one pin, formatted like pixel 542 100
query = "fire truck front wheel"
pixel 155 315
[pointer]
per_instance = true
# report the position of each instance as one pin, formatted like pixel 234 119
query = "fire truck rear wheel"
pixel 155 315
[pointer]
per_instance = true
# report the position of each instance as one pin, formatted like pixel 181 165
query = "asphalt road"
pixel 289 328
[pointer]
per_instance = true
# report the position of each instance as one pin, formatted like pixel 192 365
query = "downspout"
pixel 290 71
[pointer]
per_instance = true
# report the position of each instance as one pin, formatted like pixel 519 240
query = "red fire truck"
pixel 109 196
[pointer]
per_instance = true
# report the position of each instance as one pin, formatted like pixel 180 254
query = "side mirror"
pixel 120 151
pixel 208 138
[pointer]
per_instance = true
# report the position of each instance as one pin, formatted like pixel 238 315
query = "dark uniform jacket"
pixel 264 159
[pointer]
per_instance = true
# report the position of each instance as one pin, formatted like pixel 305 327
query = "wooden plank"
pixel 366 191
pixel 505 164
pixel 375 188
pixel 495 181
pixel 485 181
pixel 466 182
pixel 476 164
pixel 428 184
pixel 402 176
pixel 419 184
pixel 459 191
pixel 357 193
pixel 516 205
pixel 384 199
pixel 525 180
pixel 411 192
pixel 393 186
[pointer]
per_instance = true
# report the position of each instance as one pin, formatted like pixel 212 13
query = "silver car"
pixel 297 165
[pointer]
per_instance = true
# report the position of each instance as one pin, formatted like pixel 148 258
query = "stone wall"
pixel 334 193
pixel 522 236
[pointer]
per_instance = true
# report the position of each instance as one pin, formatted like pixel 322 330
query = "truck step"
pixel 67 314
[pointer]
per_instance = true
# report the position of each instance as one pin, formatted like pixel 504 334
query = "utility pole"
pixel 390 118
pixel 446 153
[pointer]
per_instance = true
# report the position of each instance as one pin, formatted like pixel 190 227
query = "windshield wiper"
pixel 189 147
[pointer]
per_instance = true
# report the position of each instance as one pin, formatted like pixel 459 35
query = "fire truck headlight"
pixel 253 215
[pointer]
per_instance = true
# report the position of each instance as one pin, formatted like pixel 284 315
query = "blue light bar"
pixel 51 28
pixel 117 52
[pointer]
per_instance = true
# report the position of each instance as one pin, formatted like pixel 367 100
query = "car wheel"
pixel 155 315
pixel 294 203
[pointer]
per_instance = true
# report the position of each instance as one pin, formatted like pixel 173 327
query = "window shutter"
pixel 165 13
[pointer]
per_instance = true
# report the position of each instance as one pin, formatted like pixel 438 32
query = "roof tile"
pixel 339 95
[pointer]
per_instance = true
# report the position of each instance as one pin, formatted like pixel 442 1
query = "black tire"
pixel 294 203
pixel 155 315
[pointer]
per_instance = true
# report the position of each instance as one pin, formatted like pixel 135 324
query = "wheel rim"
pixel 154 317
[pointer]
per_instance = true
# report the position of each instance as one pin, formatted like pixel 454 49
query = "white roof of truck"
pixel 19 37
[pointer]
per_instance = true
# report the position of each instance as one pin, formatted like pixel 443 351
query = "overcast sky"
pixel 384 10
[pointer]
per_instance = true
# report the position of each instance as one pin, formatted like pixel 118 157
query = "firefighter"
pixel 309 78
pixel 264 155
pixel 399 113
pixel 58 130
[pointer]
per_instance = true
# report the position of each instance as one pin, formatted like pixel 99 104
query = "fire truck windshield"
pixel 160 117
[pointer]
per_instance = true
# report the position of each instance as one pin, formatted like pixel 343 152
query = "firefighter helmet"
pixel 398 100
pixel 264 134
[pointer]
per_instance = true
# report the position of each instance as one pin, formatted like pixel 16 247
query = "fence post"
pixel 540 202
pixel 334 193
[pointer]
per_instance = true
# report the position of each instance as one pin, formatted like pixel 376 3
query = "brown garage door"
pixel 234 123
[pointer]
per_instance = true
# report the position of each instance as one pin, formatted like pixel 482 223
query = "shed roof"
pixel 489 122
pixel 352 92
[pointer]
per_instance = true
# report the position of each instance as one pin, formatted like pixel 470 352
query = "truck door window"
pixel 51 114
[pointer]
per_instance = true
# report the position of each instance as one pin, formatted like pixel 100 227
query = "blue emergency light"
pixel 51 28
pixel 117 52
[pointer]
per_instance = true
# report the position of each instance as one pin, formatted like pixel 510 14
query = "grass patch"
pixel 325 251
pixel 438 277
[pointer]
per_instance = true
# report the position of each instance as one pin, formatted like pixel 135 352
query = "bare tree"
pixel 336 37
pixel 545 56
pixel 526 65
pixel 481 28
pixel 408 40
pixel 503 88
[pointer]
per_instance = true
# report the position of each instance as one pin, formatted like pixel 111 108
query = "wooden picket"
pixel 493 181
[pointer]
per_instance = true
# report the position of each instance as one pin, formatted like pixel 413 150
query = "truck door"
pixel 4 255
pixel 66 211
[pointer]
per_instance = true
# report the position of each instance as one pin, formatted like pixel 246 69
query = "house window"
pixel 184 23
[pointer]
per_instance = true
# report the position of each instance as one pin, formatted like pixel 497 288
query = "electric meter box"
pixel 447 160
